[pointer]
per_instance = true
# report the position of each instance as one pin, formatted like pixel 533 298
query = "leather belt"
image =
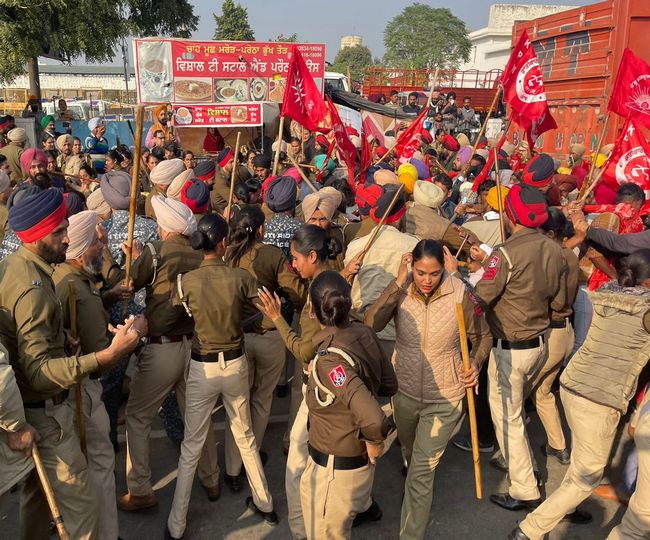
pixel 214 357
pixel 558 324
pixel 340 463
pixel 56 400
pixel 161 340
pixel 519 345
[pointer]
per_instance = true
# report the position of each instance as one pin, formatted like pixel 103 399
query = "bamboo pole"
pixel 81 424
pixel 49 495
pixel 587 183
pixel 470 402
pixel 592 185
pixel 302 174
pixel 382 158
pixel 233 174
pixel 502 225
pixel 480 133
pixel 433 85
pixel 276 160
pixel 349 80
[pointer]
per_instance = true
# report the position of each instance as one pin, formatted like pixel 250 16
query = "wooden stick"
pixel 480 133
pixel 302 174
pixel 587 183
pixel 277 150
pixel 440 166
pixel 81 424
pixel 470 402
pixel 233 174
pixel 382 158
pixel 592 185
pixel 502 224
pixel 433 85
pixel 63 175
pixel 349 80
pixel 49 495
pixel 462 245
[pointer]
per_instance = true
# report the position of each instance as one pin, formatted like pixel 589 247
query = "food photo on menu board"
pixel 218 114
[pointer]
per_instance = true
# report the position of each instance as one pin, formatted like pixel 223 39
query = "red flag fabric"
pixel 629 160
pixel 346 149
pixel 366 157
pixel 302 99
pixel 409 140
pixel 330 149
pixel 488 165
pixel 631 90
pixel 523 90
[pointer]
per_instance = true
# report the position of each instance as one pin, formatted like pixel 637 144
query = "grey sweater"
pixel 619 243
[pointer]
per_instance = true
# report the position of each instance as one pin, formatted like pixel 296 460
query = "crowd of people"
pixel 285 289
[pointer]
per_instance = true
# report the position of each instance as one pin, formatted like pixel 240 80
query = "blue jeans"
pixel 583 312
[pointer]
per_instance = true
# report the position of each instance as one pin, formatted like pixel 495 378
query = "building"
pixel 491 45
pixel 351 41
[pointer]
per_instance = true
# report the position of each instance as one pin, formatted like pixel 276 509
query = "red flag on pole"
pixel 523 90
pixel 328 156
pixel 302 99
pixel 631 90
pixel 346 149
pixel 409 140
pixel 366 157
pixel 629 160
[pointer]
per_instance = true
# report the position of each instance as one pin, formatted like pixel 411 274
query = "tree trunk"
pixel 34 79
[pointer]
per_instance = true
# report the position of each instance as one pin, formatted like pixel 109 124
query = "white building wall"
pixel 65 81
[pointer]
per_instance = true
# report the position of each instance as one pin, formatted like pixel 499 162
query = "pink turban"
pixel 81 232
pixel 464 154
pixel 32 154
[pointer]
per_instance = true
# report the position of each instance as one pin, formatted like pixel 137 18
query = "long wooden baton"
pixel 81 424
pixel 49 495
pixel 480 133
pixel 302 174
pixel 233 174
pixel 502 224
pixel 382 158
pixel 586 185
pixel 470 402
pixel 276 159
pixel 592 185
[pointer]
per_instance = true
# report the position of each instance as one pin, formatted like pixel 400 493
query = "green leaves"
pixel 233 23
pixel 358 58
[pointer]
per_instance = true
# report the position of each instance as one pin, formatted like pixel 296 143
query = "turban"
pixel 81 232
pixel 74 203
pixel 46 120
pixel 322 140
pixel 173 216
pixel 116 189
pixel 196 196
pixel 450 143
pixel 63 139
pixel 505 175
pixel 539 171
pixel 367 196
pixel 283 146
pixel 384 202
pixel 508 148
pixel 462 140
pixel 383 177
pixel 165 172
pixel 263 161
pixel 427 138
pixel 97 204
pixel 484 153
pixel 94 122
pixel 329 191
pixel 174 189
pixel 428 194
pixel 224 157
pixel 37 216
pixel 32 154
pixel 161 109
pixel 314 201
pixel 204 170
pixel 464 154
pixel 281 194
pixel 17 135
pixel 578 149
pixel 421 168
pixel 319 161
pixel 381 151
pixel 603 194
pixel 526 205
pixel 606 149
pixel 294 173
pixel 492 198
pixel 22 191
pixel 5 181
pixel 417 155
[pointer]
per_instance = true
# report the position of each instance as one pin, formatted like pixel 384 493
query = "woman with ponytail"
pixel 218 367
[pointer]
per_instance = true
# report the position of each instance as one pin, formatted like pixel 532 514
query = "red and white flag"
pixel 629 160
pixel 346 149
pixel 523 90
pixel 410 139
pixel 302 99
pixel 631 90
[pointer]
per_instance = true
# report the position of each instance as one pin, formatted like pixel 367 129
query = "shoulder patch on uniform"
pixel 493 261
pixel 338 376
pixel 491 269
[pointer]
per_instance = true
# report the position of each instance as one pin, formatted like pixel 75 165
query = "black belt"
pixel 340 463
pixel 558 324
pixel 519 345
pixel 56 400
pixel 214 357
pixel 161 340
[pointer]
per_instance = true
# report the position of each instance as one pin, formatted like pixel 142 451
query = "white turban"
pixel 62 139
pixel 173 216
pixel 94 122
pixel 17 135
pixel 5 182
pixel 97 203
pixel 175 188
pixel 428 194
pixel 166 171
pixel 82 231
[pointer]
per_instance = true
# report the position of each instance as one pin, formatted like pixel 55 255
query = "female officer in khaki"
pixel 218 368
pixel 265 349
pixel 347 426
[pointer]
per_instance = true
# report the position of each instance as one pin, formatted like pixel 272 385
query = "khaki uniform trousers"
pixel 100 455
pixel 296 465
pixel 266 355
pixel 296 396
pixel 593 428
pixel 331 498
pixel 509 373
pixel 560 345
pixel 160 369
pixel 206 382
pixel 67 471
pixel 636 520
pixel 424 430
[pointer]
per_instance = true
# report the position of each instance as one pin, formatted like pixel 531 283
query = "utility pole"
pixel 34 79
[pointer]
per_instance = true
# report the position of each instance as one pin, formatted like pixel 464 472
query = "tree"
pixel 233 23
pixel 358 58
pixel 46 29
pixel 293 38
pixel 426 37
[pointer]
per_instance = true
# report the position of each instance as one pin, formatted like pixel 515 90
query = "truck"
pixel 579 52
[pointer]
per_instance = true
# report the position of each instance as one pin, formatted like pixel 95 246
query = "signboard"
pixel 218 115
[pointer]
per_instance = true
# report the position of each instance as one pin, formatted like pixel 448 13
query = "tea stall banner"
pixel 218 115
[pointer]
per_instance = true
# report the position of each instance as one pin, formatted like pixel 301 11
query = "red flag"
pixel 366 157
pixel 488 165
pixel 523 90
pixel 629 160
pixel 409 140
pixel 330 149
pixel 346 149
pixel 302 99
pixel 631 90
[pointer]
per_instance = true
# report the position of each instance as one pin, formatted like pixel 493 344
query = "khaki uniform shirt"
pixel 357 229
pixel 12 152
pixel 300 346
pixel 4 220
pixel 148 207
pixel 217 296
pixel 31 324
pixel 524 279
pixel 221 189
pixel 572 276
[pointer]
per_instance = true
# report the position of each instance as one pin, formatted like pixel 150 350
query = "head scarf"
pixel 81 232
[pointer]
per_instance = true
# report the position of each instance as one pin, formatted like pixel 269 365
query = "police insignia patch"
pixel 493 261
pixel 338 376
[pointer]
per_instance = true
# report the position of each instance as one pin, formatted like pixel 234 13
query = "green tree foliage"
pixel 358 58
pixel 293 38
pixel 71 28
pixel 426 37
pixel 232 25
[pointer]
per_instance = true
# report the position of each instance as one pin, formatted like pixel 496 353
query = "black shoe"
pixel 373 513
pixel 504 500
pixel 563 456
pixel 517 534
pixel 578 517
pixel 233 482
pixel 270 517
pixel 282 390
pixel 168 535
pixel 465 444
pixel 499 462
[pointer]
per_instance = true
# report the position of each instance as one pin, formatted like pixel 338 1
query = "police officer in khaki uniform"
pixel 218 368
pixel 162 364
pixel 221 189
pixel 31 323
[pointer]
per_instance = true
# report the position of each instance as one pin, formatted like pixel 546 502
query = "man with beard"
pixel 161 124
pixel 31 323
pixel 34 164
pixel 81 269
